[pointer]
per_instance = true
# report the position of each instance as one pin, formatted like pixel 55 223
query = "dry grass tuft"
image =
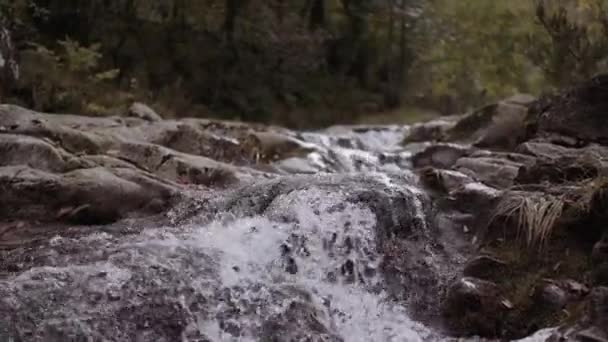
pixel 536 215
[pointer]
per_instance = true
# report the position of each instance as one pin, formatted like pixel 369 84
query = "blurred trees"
pixel 572 44
pixel 297 62
pixel 253 59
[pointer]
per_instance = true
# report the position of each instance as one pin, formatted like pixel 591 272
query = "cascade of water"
pixel 293 259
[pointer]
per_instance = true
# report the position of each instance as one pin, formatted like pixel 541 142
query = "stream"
pixel 343 245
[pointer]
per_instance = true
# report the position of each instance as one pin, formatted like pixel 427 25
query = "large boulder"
pixel 442 156
pixel 475 307
pixel 87 196
pixel 592 327
pixel 93 169
pixel 497 125
pixel 560 164
pixel 493 171
pixel 579 112
pixel 434 130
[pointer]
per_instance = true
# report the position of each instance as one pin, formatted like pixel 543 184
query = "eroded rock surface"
pixel 71 161
pixel 530 179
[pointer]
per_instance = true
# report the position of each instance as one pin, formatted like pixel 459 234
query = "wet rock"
pixel 485 267
pixel 562 170
pixel 509 156
pixel 599 253
pixel 599 258
pixel 445 181
pixel 33 194
pixel 142 111
pixel 546 151
pixel 593 334
pixel 598 307
pixel 592 326
pixel 599 274
pixel 275 146
pixel 559 164
pixel 69 152
pixel 474 307
pixel 493 171
pixel 299 322
pixel 549 295
pixel 507 130
pixel 574 289
pixel 475 198
pixel 441 156
pixel 157 318
pixel 36 153
pixel 191 138
pixel 434 130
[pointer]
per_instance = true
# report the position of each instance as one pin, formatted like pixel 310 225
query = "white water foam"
pixel 249 252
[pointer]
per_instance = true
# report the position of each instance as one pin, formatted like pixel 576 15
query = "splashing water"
pixel 301 263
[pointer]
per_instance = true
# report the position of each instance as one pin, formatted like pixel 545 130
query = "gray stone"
pixel 485 267
pixel 550 295
pixel 441 156
pixel 492 171
pixel 474 306
pixel 143 111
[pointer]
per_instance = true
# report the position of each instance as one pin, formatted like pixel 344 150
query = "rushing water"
pixel 296 258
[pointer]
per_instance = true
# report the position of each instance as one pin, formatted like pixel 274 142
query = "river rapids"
pixel 344 246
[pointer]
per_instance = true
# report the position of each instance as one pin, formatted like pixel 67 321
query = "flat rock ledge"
pixel 526 181
pixel 94 170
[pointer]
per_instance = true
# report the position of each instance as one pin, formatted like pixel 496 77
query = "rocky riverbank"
pixel 537 222
pixel 490 224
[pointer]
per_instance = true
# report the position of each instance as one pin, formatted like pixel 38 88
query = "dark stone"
pixel 599 254
pixel 441 156
pixel 494 171
pixel 474 307
pixel 598 307
pixel 574 289
pixel 592 334
pixel 429 131
pixel 475 198
pixel 444 181
pixel 550 295
pixel 599 274
pixel 485 267
pixel 580 111
pixel 299 322
pixel 558 164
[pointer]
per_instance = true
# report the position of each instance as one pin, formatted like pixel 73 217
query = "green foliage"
pixel 79 58
pixel 473 50
pixel 573 42
pixel 477 51
pixel 300 62
pixel 249 57
pixel 65 79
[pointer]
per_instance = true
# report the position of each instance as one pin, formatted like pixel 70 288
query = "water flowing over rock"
pixel 141 229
